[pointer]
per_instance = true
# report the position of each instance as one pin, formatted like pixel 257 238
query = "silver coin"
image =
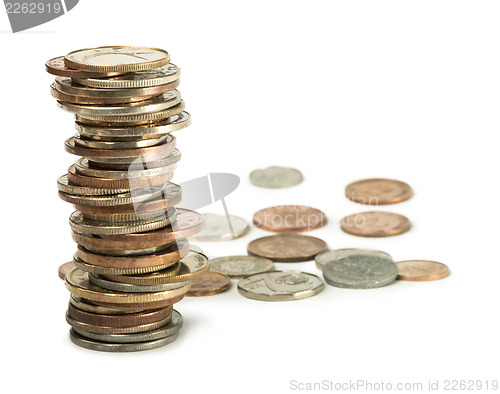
pixel 92 344
pixel 280 286
pixel 64 186
pixel 332 255
pixel 140 143
pixel 134 171
pixel 195 248
pixel 360 272
pixel 217 228
pixel 134 252
pixel 240 266
pixel 276 177
pixel 128 288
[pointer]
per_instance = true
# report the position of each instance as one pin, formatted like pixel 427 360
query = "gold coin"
pixel 421 270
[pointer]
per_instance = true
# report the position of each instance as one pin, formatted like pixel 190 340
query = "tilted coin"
pixel 375 224
pixel 280 286
pixel 82 100
pixel 65 268
pixel 287 248
pixel 117 59
pixel 209 283
pixel 360 272
pixel 331 255
pixel 421 270
pixel 239 266
pixel 142 143
pixel 87 306
pixel 63 185
pixel 57 67
pixel 140 305
pixel 115 330
pixel 128 288
pixel 378 191
pixel 97 269
pixel 276 177
pixel 221 228
pixel 289 219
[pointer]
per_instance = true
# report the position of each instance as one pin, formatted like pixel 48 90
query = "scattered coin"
pixel 280 286
pixel 221 228
pixel 332 255
pixel 276 177
pixel 65 268
pixel 287 248
pixel 378 191
pixel 360 272
pixel 240 266
pixel 289 219
pixel 209 283
pixel 421 270
pixel 375 224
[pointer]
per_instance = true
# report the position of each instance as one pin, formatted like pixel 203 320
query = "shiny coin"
pixel 87 306
pixel 135 170
pixel 289 219
pixel 280 286
pixel 421 270
pixel 57 67
pixel 142 143
pixel 97 269
pixel 83 100
pixel 239 266
pixel 221 228
pixel 276 177
pixel 378 191
pixel 209 283
pixel 287 248
pixel 331 255
pixel 375 224
pixel 65 268
pixel 360 272
pixel 128 288
pixel 63 185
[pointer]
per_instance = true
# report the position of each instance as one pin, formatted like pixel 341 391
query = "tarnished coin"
pixel 378 191
pixel 57 67
pixel 209 283
pixel 239 266
pixel 360 272
pixel 375 224
pixel 276 177
pixel 287 248
pixel 65 268
pixel 331 255
pixel 221 228
pixel 280 286
pixel 289 219
pixel 421 270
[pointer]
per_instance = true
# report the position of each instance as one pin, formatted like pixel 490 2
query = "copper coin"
pixel 57 67
pixel 375 224
pixel 421 270
pixel 145 305
pixel 289 219
pixel 209 284
pixel 378 191
pixel 287 248
pixel 65 268
pixel 69 98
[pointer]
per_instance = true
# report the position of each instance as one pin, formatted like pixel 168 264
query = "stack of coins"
pixel 133 260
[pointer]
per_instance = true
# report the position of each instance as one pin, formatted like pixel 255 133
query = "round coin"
pixel 331 255
pixel 378 191
pixel 360 272
pixel 128 288
pixel 375 224
pixel 57 67
pixel 240 266
pixel 221 228
pixel 75 99
pixel 209 283
pixel 421 270
pixel 287 248
pixel 289 219
pixel 115 330
pixel 276 177
pixel 63 185
pixel 65 268
pixel 280 286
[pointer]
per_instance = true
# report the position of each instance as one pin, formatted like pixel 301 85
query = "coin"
pixel 280 286
pixel 360 272
pixel 115 330
pixel 209 283
pixel 287 248
pixel 331 255
pixel 74 99
pixel 65 268
pixel 378 191
pixel 276 177
pixel 128 288
pixel 116 59
pixel 289 219
pixel 87 306
pixel 57 67
pixel 63 185
pixel 239 266
pixel 134 171
pixel 421 270
pixel 97 269
pixel 375 224
pixel 217 228
pixel 142 143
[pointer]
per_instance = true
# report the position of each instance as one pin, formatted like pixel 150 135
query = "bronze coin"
pixel 56 66
pixel 289 219
pixel 378 191
pixel 421 270
pixel 145 306
pixel 65 268
pixel 139 208
pixel 287 248
pixel 209 283
pixel 375 224
pixel 69 98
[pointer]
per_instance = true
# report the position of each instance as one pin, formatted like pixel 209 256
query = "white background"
pixel 342 90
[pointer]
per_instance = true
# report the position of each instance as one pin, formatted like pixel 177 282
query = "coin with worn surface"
pixel 57 67
pixel 221 228
pixel 65 268
pixel 375 224
pixel 421 270
pixel 239 266
pixel 332 255
pixel 117 59
pixel 360 272
pixel 209 283
pixel 289 219
pixel 276 177
pixel 280 286
pixel 287 248
pixel 378 191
